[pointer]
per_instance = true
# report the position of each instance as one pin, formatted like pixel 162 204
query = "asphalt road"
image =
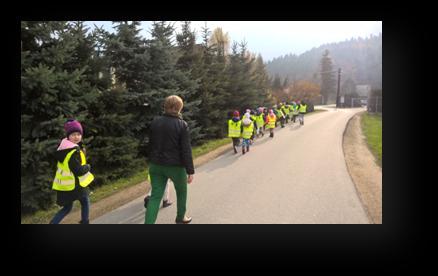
pixel 297 177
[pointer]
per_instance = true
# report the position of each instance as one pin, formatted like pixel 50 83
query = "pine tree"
pixel 248 81
pixel 276 84
pixel 188 63
pixel 221 41
pixel 262 83
pixel 114 146
pixel 235 75
pixel 190 54
pixel 285 82
pixel 359 58
pixel 212 88
pixel 114 150
pixel 130 59
pixel 166 78
pixel 54 87
pixel 327 78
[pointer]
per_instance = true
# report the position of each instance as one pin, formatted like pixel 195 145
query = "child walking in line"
pixel 247 131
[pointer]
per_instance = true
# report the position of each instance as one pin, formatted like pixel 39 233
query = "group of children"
pixel 73 174
pixel 254 122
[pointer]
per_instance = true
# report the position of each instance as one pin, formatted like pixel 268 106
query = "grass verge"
pixel 44 216
pixel 372 129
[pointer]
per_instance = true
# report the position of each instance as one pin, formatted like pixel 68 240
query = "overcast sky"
pixel 275 38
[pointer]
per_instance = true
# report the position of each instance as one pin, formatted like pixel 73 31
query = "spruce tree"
pixel 234 73
pixel 130 59
pixel 262 83
pixel 165 78
pixel 54 87
pixel 327 78
pixel 189 64
pixel 114 146
pixel 249 97
pixel 213 87
pixel 276 84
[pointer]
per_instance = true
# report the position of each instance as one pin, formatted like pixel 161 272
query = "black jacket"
pixel 169 143
pixel 66 197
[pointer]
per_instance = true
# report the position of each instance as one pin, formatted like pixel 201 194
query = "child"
pixel 280 115
pixel 303 110
pixel 270 122
pixel 234 129
pixel 294 110
pixel 248 129
pixel 73 174
pixel 260 120
pixel 253 118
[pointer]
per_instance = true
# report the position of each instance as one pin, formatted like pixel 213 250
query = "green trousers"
pixel 159 176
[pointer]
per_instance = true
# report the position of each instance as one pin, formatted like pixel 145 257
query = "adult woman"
pixel 170 157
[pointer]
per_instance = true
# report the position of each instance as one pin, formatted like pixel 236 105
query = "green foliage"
pixel 360 60
pixel 115 84
pixel 328 81
pixel 372 128
pixel 52 90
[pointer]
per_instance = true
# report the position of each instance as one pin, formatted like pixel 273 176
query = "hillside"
pixel 360 59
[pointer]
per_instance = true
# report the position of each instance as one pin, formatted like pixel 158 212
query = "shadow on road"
pixel 295 126
pixel 223 161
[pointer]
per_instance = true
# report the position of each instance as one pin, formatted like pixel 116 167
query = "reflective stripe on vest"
pixel 64 178
pixel 303 108
pixel 271 121
pixel 234 128
pixel 87 178
pixel 247 131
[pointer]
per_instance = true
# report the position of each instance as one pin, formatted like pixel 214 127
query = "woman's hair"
pixel 173 105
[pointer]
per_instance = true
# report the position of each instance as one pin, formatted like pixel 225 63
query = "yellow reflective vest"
pixel 271 121
pixel 247 131
pixel 259 120
pixel 295 110
pixel 285 110
pixel 303 108
pixel 65 179
pixel 234 128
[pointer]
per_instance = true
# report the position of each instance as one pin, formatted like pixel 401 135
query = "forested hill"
pixel 360 59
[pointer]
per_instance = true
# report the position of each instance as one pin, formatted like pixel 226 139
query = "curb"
pixel 365 204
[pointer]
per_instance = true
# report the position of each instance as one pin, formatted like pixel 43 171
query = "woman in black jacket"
pixel 170 156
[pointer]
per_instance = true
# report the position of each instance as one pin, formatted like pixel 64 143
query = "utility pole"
pixel 339 83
